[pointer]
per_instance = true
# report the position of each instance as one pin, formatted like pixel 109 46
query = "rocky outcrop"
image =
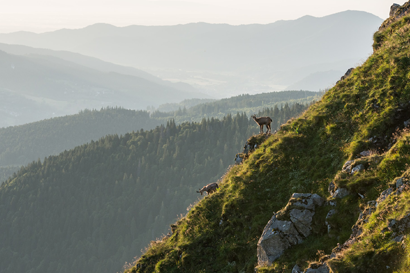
pixel 321 269
pixel 398 227
pixel 347 74
pixel 297 269
pixel 396 12
pixel 288 227
pixel 393 9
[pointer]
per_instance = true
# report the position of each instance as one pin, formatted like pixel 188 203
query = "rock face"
pixel 348 72
pixel 288 227
pixel 393 9
pixel 396 12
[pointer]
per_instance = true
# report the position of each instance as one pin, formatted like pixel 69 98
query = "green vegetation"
pixel 96 206
pixel 220 233
pixel 21 145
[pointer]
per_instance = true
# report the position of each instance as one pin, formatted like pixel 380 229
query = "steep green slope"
pixel 96 206
pixel 364 112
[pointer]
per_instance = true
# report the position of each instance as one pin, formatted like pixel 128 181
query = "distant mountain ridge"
pixel 36 87
pixel 227 58
pixel 92 63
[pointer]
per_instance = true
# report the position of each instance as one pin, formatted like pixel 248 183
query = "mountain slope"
pixel 224 59
pixel 364 112
pixel 93 207
pixel 62 87
pixel 92 63
pixel 22 144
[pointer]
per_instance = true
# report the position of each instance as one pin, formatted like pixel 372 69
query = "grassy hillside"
pixel 365 112
pixel 94 207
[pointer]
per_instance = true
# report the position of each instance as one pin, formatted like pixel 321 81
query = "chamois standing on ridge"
pixel 263 121
pixel 210 188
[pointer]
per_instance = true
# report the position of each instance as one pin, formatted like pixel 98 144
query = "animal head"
pixel 200 191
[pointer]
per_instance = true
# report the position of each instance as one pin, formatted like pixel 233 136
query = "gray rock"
pixel 331 188
pixel 279 235
pixel 340 193
pixel 333 203
pixel 302 220
pixel 296 269
pixel 384 195
pixel 321 269
pixel 399 238
pixel 399 183
pixel 348 72
pixel 307 200
pixel 347 166
pixel 406 123
pixel 358 168
pixel 330 213
pixel 365 153
pixel 393 9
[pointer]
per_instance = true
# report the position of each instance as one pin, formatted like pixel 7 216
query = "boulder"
pixel 288 227
pixel 347 167
pixel 365 153
pixel 329 214
pixel 296 269
pixel 393 9
pixel 399 183
pixel 302 219
pixel 321 269
pixel 340 193
pixel 358 168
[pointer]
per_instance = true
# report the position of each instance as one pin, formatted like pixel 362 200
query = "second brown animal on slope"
pixel 263 121
pixel 210 188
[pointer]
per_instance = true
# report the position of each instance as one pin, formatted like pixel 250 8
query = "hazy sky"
pixel 47 15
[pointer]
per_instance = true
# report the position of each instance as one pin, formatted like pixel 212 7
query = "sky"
pixel 48 15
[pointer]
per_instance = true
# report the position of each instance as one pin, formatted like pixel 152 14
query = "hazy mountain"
pixel 37 86
pixel 223 58
pixel 93 63
pixel 317 81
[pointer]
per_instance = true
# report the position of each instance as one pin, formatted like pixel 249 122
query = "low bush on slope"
pixel 363 112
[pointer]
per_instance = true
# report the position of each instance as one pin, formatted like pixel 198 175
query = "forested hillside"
pixel 23 144
pixel 92 208
pixel 350 150
pixel 249 104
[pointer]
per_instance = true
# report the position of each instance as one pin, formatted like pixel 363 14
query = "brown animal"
pixel 210 188
pixel 263 121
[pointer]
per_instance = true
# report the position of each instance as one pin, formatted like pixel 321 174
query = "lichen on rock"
pixel 288 227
